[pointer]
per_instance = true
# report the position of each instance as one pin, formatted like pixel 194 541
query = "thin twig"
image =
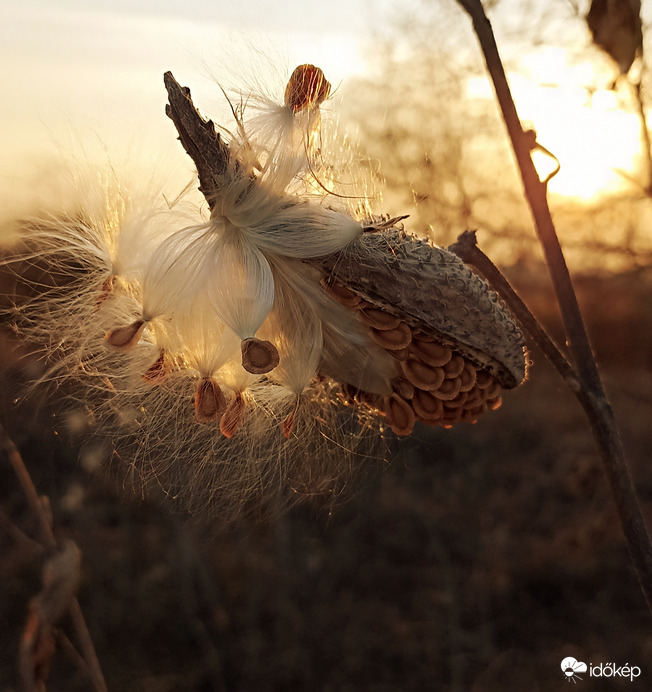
pixel 467 250
pixel 591 392
pixel 49 541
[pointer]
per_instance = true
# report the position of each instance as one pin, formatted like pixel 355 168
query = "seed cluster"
pixel 434 383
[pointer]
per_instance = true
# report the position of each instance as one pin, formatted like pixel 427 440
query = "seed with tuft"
pixel 306 88
pixel 210 403
pixel 454 366
pixel 403 388
pixel 158 371
pixel 232 418
pixel 125 338
pixel 467 377
pixel 258 356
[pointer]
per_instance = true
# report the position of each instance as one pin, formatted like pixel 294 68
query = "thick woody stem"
pixel 590 392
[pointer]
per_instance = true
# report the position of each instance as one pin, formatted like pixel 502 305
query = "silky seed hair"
pixel 244 360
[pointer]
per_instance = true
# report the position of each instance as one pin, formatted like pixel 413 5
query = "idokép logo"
pixel 572 668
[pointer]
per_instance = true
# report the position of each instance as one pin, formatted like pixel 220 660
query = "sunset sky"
pixel 90 72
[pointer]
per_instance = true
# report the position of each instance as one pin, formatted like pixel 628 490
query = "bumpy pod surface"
pixel 431 289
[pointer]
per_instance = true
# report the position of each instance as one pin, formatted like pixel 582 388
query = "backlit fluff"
pixel 223 358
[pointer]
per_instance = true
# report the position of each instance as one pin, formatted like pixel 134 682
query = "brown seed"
pixel 209 401
pixel 452 417
pixel 288 424
pixel 158 371
pixel 258 357
pixel 458 402
pixel 399 353
pixel 232 418
pixel 428 407
pixel 477 410
pixel 341 294
pixel 454 366
pixel 493 390
pixel 306 88
pixel 483 379
pixel 431 352
pixel 379 319
pixel 493 404
pixel 420 335
pixel 448 390
pixel 106 290
pixel 421 375
pixel 125 338
pixel 392 339
pixel 475 397
pixel 399 413
pixel 467 377
pixel 403 388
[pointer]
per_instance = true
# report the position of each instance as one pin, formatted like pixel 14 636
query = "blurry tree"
pixel 430 117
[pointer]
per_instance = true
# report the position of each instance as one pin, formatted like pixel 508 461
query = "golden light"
pixel 593 132
pixel 596 142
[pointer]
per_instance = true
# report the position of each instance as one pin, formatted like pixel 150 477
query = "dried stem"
pixel 466 249
pixel 591 392
pixel 49 541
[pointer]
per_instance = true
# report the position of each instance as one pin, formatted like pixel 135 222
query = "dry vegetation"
pixel 476 560
pixel 482 556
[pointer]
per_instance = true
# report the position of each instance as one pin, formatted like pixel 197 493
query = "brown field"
pixel 476 560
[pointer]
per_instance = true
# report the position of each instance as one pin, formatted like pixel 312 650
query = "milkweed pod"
pixel 258 356
pixel 210 403
pixel 125 338
pixel 307 88
pixel 435 292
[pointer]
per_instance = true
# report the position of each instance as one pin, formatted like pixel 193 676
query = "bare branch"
pixel 49 540
pixel 591 392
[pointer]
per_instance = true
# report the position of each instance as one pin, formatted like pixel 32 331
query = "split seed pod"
pixel 433 291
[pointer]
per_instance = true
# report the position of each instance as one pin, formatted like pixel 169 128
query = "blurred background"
pixel 480 556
